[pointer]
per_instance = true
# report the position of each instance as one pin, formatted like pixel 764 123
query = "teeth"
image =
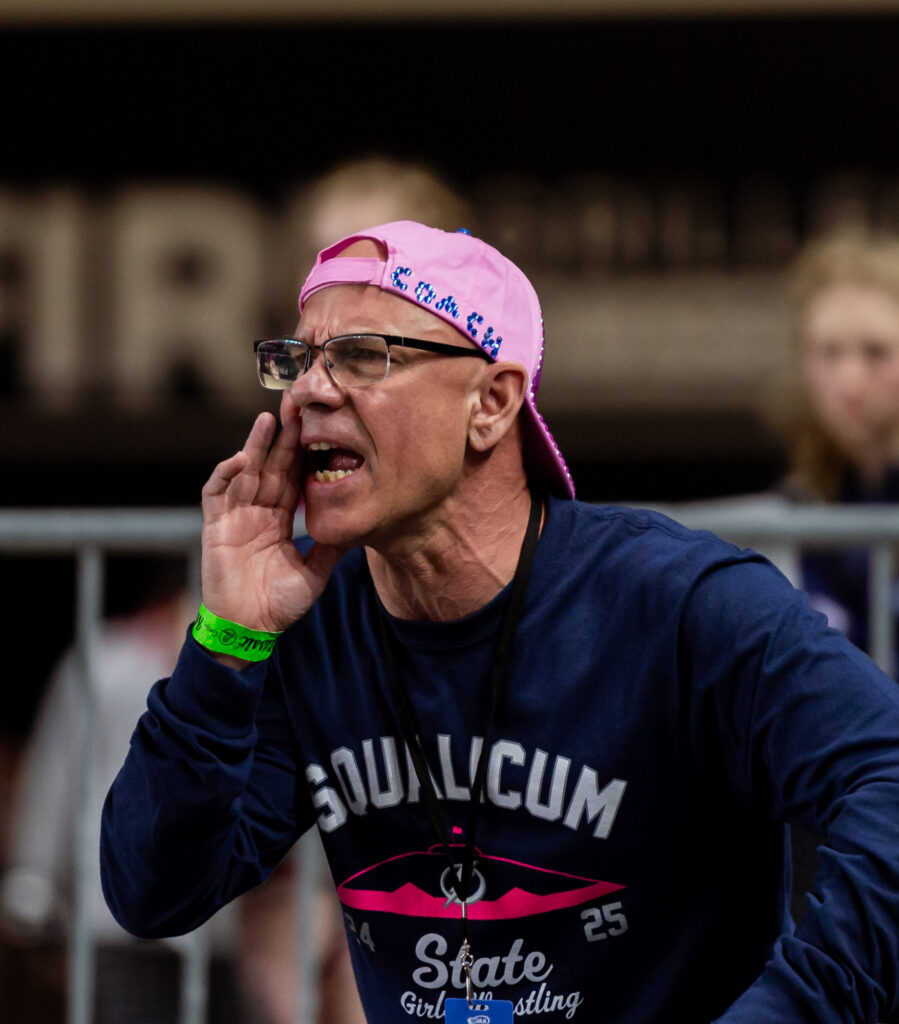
pixel 330 476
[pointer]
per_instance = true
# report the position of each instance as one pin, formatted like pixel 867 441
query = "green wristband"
pixel 226 637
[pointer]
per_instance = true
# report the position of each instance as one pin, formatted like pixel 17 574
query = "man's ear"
pixel 500 396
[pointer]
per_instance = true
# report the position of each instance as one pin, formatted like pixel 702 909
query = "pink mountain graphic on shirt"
pixel 528 890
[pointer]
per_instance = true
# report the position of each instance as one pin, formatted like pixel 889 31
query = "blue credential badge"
pixel 491 1011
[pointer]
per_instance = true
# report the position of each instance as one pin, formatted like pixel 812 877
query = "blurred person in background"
pixel 844 433
pixel 845 444
pixel 371 189
pixel 134 981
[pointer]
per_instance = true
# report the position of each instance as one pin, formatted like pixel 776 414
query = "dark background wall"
pixel 263 104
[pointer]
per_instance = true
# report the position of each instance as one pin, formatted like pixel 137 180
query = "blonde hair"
pixel 817 464
pixel 408 190
pixel 375 190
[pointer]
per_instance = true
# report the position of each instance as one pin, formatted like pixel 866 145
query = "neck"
pixel 873 461
pixel 458 567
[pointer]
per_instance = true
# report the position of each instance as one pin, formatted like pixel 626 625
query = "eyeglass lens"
pixel 352 361
pixel 279 363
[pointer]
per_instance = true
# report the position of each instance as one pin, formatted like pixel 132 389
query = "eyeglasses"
pixel 352 360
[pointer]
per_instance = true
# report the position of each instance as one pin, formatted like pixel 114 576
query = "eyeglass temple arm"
pixel 439 346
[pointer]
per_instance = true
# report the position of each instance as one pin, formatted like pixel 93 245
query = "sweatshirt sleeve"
pixel 207 801
pixel 806 729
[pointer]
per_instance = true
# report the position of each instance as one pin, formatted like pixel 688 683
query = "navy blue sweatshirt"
pixel 672 701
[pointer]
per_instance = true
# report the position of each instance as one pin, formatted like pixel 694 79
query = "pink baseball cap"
pixel 476 289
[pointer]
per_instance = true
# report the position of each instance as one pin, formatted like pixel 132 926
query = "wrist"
pixel 231 640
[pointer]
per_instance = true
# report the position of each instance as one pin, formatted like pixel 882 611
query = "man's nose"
pixel 315 385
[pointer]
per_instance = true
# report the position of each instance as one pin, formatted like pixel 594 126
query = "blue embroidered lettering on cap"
pixel 449 304
pixel 425 293
pixel 395 277
pixel 491 344
pixel 474 318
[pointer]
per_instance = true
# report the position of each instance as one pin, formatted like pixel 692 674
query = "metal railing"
pixel 89 535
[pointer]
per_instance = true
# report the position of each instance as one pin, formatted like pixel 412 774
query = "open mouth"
pixel 328 463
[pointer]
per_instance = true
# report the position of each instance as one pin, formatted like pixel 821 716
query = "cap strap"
pixel 342 270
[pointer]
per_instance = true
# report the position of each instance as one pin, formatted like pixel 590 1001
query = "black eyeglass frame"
pixel 391 340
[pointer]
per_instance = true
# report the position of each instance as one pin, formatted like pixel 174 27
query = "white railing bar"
pixel 308 966
pixel 193 994
pixel 880 600
pixel 807 524
pixel 149 529
pixel 41 529
pixel 81 945
pixel 193 990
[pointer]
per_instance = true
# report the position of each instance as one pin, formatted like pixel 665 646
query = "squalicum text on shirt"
pixel 372 778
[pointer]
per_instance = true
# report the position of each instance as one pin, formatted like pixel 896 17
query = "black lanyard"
pixel 410 731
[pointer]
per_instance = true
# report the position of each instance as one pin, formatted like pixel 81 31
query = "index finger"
pixel 231 469
pixel 279 476
pixel 259 440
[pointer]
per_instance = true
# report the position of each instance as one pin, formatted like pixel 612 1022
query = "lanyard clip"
pixel 466 959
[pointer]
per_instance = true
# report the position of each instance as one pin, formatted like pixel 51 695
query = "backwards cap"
pixel 476 289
